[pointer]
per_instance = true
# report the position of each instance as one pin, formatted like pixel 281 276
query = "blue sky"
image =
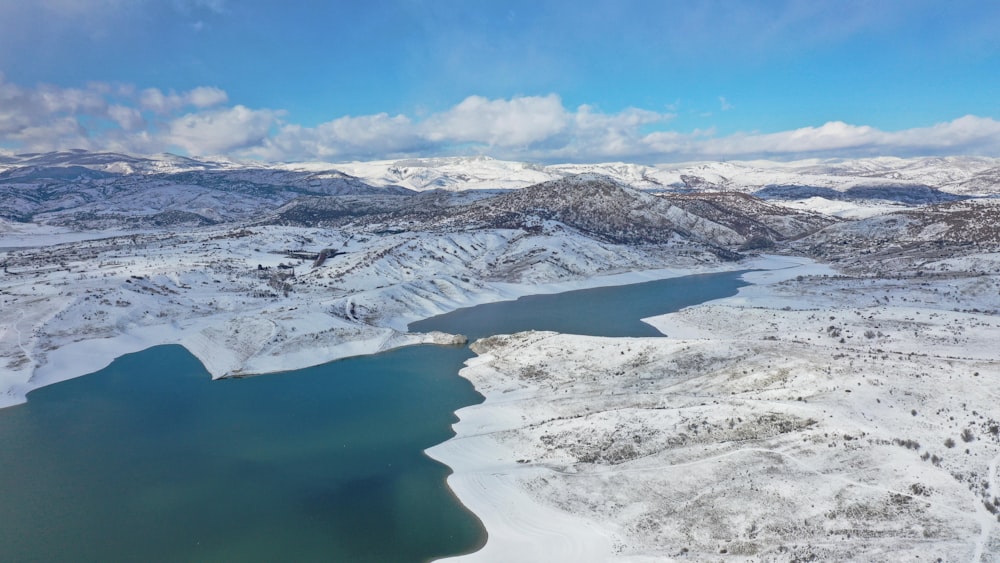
pixel 646 81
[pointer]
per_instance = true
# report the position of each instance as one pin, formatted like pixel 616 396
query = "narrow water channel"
pixel 148 459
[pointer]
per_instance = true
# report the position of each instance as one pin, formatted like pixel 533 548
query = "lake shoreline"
pixel 212 341
pixel 583 538
pixel 486 472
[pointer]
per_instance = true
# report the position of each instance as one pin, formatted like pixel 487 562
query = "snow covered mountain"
pixel 910 238
pixel 864 178
pixel 954 175
pixel 108 190
pixel 594 206
pixel 86 190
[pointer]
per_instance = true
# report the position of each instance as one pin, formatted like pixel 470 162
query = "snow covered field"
pixel 812 416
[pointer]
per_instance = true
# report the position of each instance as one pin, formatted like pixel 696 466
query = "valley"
pixel 840 406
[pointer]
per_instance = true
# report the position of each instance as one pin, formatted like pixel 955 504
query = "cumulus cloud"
pixel 12 100
pixel 222 130
pixel 968 134
pixel 119 117
pixel 362 137
pixel 60 132
pixel 200 121
pixel 615 135
pixel 520 127
pixel 47 115
pixel 72 100
pixel 129 119
pixel 499 123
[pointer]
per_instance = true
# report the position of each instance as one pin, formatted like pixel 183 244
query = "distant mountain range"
pixel 616 201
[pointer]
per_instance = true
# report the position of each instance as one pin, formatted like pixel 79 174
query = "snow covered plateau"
pixel 842 406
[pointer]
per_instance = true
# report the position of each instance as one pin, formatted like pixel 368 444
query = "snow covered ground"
pixel 253 300
pixel 844 209
pixel 813 416
pixel 15 235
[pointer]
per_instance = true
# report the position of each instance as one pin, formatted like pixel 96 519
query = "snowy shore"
pixel 230 344
pixel 70 309
pixel 811 415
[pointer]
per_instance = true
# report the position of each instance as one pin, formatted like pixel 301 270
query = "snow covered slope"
pixel 811 417
pixel 954 175
pixel 102 190
pixel 593 205
pixel 260 299
pixel 862 177
pixel 84 190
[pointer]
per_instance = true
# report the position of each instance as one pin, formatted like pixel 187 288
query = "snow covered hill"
pixel 954 175
pixel 105 190
pixel 596 206
pixel 911 239
pixel 84 190
pixel 864 178
pixel 756 220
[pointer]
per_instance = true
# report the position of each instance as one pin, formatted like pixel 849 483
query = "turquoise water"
pixel 150 460
pixel 601 311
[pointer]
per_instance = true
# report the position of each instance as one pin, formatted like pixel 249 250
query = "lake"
pixel 600 311
pixel 149 459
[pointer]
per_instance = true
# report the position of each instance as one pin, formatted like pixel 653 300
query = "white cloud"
pixel 964 133
pixel 127 118
pixel 368 136
pixel 380 130
pixel 614 135
pixel 206 96
pixel 221 130
pixel 62 132
pixel 724 104
pixel 104 116
pixel 542 129
pixel 72 100
pixel 517 122
pixel 520 127
pixel 12 101
pixel 26 114
pixel 155 100
pixel 968 134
